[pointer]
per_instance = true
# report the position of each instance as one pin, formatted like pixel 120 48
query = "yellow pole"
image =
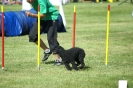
pixel 97 0
pixel 2 10
pixel 38 37
pixel 107 34
pixel 2 29
pixel 74 8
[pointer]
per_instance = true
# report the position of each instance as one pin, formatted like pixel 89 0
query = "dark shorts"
pixel 33 35
pixel 50 27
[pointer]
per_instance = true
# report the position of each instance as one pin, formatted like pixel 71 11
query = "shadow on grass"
pixel 49 62
pixel 86 67
pixel 52 62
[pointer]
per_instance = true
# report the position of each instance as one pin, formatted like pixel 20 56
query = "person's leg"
pixel 52 35
pixel 42 45
pixel 9 2
pixel 57 56
pixel 52 39
pixel 4 2
pixel 33 37
pixel 58 60
pixel 46 50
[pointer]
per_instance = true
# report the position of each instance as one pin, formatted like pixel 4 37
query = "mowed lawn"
pixel 91 24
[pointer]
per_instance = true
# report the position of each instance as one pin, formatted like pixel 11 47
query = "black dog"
pixel 75 56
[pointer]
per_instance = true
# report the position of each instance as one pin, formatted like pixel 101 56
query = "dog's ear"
pixel 61 48
pixel 58 51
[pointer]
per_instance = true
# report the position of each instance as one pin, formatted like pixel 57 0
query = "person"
pixel 48 23
pixel 19 2
pixel 6 2
pixel 75 0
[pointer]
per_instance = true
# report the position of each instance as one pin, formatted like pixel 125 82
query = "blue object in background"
pixel 60 24
pixel 12 26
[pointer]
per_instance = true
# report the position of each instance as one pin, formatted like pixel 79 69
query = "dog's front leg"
pixel 67 66
pixel 82 63
pixel 74 65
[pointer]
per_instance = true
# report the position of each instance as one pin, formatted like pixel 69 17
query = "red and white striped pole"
pixel 74 27
pixel 2 10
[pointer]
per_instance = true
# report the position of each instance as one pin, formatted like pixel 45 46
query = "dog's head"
pixel 61 52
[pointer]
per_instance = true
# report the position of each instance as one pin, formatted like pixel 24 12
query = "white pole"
pixel 59 3
pixel 26 5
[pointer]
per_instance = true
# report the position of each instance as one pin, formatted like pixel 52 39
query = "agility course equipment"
pixel 38 37
pixel 74 27
pixel 2 22
pixel 107 35
pixel 61 11
pixel 17 23
pixel 25 5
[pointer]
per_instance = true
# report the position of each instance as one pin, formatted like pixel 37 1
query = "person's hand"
pixel 28 13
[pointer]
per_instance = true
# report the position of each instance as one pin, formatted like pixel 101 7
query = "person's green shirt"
pixel 46 8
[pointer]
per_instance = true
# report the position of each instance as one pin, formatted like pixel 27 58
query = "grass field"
pixel 21 55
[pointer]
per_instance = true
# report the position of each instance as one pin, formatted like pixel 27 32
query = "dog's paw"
pixel 69 69
pixel 81 67
pixel 76 69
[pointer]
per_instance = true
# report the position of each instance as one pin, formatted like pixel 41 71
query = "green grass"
pixel 21 56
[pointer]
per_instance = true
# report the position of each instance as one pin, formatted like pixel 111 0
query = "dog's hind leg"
pixel 74 65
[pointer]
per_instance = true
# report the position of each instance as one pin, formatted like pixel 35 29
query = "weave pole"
pixel 74 27
pixel 107 34
pixel 2 10
pixel 38 38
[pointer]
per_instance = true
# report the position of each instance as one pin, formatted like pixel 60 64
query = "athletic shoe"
pixel 58 62
pixel 47 53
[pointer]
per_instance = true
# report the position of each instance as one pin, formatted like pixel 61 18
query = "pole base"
pixel 38 67
pixel 106 65
pixel 2 68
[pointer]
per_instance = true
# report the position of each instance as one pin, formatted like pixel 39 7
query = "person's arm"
pixel 35 15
